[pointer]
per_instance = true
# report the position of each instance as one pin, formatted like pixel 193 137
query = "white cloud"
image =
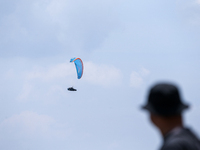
pixel 54 72
pixel 137 78
pixel 30 124
pixel 38 28
pixel 26 90
pixel 50 83
pixel 144 72
pixel 47 83
pixel 104 75
pixel 50 10
pixel 190 11
pixel 113 145
pixel 9 74
pixel 56 7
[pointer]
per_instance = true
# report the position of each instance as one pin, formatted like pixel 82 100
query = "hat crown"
pixel 164 99
pixel 164 96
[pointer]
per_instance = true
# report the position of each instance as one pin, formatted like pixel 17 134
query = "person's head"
pixel 165 105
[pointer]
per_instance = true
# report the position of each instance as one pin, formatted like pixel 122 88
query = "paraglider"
pixel 79 69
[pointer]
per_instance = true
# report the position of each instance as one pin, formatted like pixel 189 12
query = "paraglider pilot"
pixel 71 89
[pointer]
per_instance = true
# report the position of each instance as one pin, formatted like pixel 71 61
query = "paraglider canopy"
pixel 79 66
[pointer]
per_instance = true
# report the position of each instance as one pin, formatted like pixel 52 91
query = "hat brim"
pixel 179 110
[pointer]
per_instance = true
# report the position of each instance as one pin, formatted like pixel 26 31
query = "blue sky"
pixel 126 46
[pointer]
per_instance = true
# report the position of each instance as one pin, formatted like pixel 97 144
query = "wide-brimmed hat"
pixel 164 99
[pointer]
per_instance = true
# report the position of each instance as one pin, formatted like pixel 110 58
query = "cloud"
pixel 144 72
pixel 30 124
pixel 51 8
pixel 113 145
pixel 190 12
pixel 47 83
pixel 104 75
pixel 138 78
pixel 50 83
pixel 53 72
pixel 51 27
pixel 26 91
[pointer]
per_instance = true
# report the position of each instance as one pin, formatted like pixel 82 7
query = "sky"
pixel 126 47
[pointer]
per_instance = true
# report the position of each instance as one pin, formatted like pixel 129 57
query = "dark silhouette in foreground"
pixel 165 107
pixel 71 89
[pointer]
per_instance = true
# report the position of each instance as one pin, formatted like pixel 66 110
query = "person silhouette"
pixel 166 108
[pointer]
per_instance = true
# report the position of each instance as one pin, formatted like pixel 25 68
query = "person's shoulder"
pixel 175 143
pixel 182 139
pixel 181 135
